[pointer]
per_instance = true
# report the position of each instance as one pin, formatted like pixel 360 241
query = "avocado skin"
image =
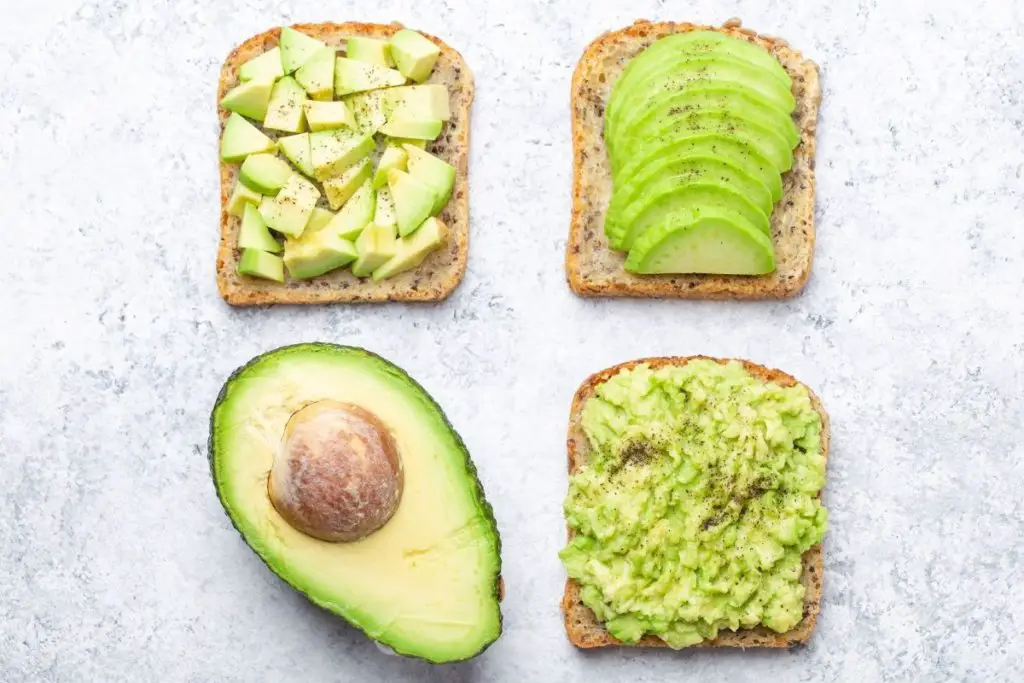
pixel 478 490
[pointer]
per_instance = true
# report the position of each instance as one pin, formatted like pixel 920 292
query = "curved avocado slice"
pixel 715 244
pixel 426 584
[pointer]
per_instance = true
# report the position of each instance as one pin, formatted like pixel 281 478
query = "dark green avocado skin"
pixel 326 347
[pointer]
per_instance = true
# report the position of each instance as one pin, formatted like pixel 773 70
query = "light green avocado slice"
pixel 265 67
pixel 376 244
pixel 319 219
pixel 296 149
pixel 393 157
pixel 285 111
pixel 333 151
pixel 369 109
pixel 340 188
pixel 708 244
pixel 328 115
pixel 352 76
pixel 296 48
pixel 369 50
pixel 240 197
pixel 426 584
pixel 265 173
pixel 316 76
pixel 356 214
pixel 414 55
pixel 289 211
pixel 316 254
pixel 438 174
pixel 414 200
pixel 249 99
pixel 428 101
pixel 261 264
pixel 413 248
pixel 384 208
pixel 254 233
pixel 241 138
pixel 417 129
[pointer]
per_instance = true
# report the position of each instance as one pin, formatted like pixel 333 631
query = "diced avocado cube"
pixel 285 111
pixel 340 188
pixel 438 174
pixel 316 76
pixel 368 109
pixel 351 76
pixel 241 196
pixel 414 55
pixel 266 67
pixel 384 209
pixel 249 99
pixel 296 149
pixel 402 142
pixel 419 129
pixel 264 173
pixel 375 246
pixel 419 101
pixel 333 151
pixel 327 115
pixel 410 251
pixel 289 211
pixel 262 264
pixel 393 157
pixel 369 50
pixel 318 220
pixel 316 254
pixel 355 215
pixel 296 48
pixel 241 138
pixel 254 234
pixel 414 200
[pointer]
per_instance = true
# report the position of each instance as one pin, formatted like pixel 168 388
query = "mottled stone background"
pixel 116 561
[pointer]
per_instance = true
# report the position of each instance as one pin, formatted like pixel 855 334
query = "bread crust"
pixel 439 274
pixel 583 628
pixel 593 269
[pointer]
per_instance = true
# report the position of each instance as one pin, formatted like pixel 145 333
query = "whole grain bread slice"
pixel 594 269
pixel 442 270
pixel 583 628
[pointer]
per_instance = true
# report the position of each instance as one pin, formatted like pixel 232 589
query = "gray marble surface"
pixel 116 560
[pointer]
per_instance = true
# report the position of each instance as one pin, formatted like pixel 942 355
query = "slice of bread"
pixel 442 270
pixel 583 628
pixel 594 269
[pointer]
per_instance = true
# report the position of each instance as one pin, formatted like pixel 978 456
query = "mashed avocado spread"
pixel 696 503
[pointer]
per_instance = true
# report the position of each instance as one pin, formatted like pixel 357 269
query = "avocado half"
pixel 427 583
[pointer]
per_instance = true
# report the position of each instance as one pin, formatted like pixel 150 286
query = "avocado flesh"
pixel 316 76
pixel 412 249
pixel 716 244
pixel 340 188
pixel 414 201
pixel 296 149
pixel 432 171
pixel 285 111
pixel 241 138
pixel 414 55
pixel 249 99
pixel 315 254
pixel 375 245
pixel 370 50
pixel 265 173
pixel 352 76
pixel 266 66
pixel 357 212
pixel 253 233
pixel 416 129
pixel 296 48
pixel 261 264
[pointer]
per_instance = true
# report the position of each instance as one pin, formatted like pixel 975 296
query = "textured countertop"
pixel 116 560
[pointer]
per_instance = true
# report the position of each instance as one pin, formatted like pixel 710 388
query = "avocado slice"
pixel 297 48
pixel 289 211
pixel 356 214
pixel 327 115
pixel 296 149
pixel 376 244
pixel 333 151
pixel 254 233
pixel 319 219
pixel 414 200
pixel 417 129
pixel 709 244
pixel 412 249
pixel 249 99
pixel 352 76
pixel 426 584
pixel 241 196
pixel 265 67
pixel 393 157
pixel 316 254
pixel 418 101
pixel 432 171
pixel 316 76
pixel 285 111
pixel 241 138
pixel 265 173
pixel 414 55
pixel 384 209
pixel 369 50
pixel 369 109
pixel 261 264
pixel 340 188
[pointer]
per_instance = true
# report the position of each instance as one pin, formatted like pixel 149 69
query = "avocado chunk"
pixel 289 211
pixel 357 212
pixel 414 200
pixel 319 219
pixel 316 254
pixel 249 99
pixel 418 101
pixel 352 76
pixel 241 138
pixel 437 173
pixel 297 48
pixel 402 142
pixel 418 129
pixel 296 149
pixel 327 115
pixel 265 173
pixel 340 188
pixel 369 108
pixel 369 50
pixel 393 157
pixel 384 209
pixel 333 151
pixel 254 234
pixel 265 67
pixel 316 76
pixel 414 55
pixel 376 244
pixel 261 264
pixel 241 196
pixel 285 111
pixel 412 249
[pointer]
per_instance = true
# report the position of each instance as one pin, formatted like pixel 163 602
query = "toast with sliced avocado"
pixel 298 111
pixel 677 159
pixel 604 441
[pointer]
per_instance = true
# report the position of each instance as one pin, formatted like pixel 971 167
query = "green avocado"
pixel 384 208
pixel 261 264
pixel 412 249
pixel 297 48
pixel 333 151
pixel 426 583
pixel 315 254
pixel 414 200
pixel 316 76
pixel 369 50
pixel 352 76
pixel 249 99
pixel 289 211
pixel 296 149
pixel 712 242
pixel 438 174
pixel 319 219
pixel 393 157
pixel 417 129
pixel 241 138
pixel 357 212
pixel 285 111
pixel 369 108
pixel 428 101
pixel 697 502
pixel 265 67
pixel 327 115
pixel 375 245
pixel 340 188
pixel 253 233
pixel 240 197
pixel 414 55
pixel 265 173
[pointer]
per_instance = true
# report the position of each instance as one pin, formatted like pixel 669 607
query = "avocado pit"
pixel 337 475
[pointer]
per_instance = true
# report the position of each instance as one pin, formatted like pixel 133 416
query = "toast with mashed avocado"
pixel 694 513
pixel 717 117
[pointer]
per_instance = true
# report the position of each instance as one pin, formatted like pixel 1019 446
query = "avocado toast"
pixel 583 628
pixel 443 249
pixel 594 268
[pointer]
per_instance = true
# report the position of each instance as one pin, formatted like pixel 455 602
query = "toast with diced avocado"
pixel 595 268
pixel 585 630
pixel 441 270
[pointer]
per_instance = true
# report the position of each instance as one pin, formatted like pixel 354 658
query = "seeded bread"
pixel 594 269
pixel 583 628
pixel 442 270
